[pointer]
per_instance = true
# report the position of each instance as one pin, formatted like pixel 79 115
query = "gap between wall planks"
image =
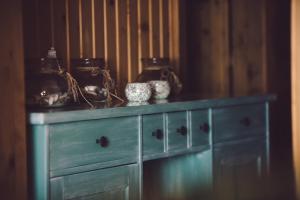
pixel 121 31
pixel 295 73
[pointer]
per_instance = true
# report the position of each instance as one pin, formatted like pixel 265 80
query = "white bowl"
pixel 138 92
pixel 160 89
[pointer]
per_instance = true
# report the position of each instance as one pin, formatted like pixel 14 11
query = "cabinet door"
pixel 113 183
pixel 186 177
pixel 240 171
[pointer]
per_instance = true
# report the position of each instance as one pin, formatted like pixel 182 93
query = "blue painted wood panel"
pixel 111 183
pixel 154 134
pixel 239 122
pixel 200 128
pixel 79 143
pixel 178 131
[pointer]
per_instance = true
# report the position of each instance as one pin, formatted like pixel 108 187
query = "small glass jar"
pixel 160 69
pixel 88 73
pixel 46 83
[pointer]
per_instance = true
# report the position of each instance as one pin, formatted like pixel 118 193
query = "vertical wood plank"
pixel 133 41
pixel 13 147
pixel 110 37
pixel 165 28
pixel 219 48
pixel 155 28
pixel 87 33
pixel 143 23
pixel 174 40
pixel 44 27
pixel 74 29
pixel 248 47
pixel 99 28
pixel 30 29
pixel 295 72
pixel 122 50
pixel 199 47
pixel 59 30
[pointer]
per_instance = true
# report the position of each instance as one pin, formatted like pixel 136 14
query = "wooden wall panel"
pixel 121 31
pixel 122 37
pixel 133 42
pixel 59 23
pixel 99 27
pixel 87 28
pixel 248 22
pixel 13 146
pixel 295 72
pixel 74 28
pixel 207 47
pixel 143 23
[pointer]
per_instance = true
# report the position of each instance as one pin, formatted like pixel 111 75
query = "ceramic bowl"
pixel 160 89
pixel 138 92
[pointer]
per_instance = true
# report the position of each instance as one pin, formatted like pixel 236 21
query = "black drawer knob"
pixel 103 141
pixel 204 127
pixel 182 130
pixel 158 134
pixel 246 121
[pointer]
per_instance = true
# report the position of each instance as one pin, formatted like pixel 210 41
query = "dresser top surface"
pixel 121 109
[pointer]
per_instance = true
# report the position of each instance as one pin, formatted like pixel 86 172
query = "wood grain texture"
pixel 234 164
pixel 296 89
pixel 171 178
pixel 74 29
pixel 199 134
pixel 239 122
pixel 248 31
pixel 207 47
pixel 13 142
pixel 177 140
pixel 152 144
pixel 75 144
pixel 112 183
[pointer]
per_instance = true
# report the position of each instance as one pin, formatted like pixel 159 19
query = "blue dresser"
pixel 182 149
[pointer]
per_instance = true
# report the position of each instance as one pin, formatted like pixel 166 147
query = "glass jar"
pixel 160 69
pixel 88 73
pixel 46 83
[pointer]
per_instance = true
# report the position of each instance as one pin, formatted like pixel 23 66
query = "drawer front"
pixel 87 142
pixel 177 130
pixel 111 183
pixel 153 134
pixel 239 122
pixel 200 127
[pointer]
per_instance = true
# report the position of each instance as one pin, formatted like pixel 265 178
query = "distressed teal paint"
pixel 68 163
pixel 74 144
pixel 240 170
pixel 177 140
pixel 229 122
pixel 39 161
pixel 82 113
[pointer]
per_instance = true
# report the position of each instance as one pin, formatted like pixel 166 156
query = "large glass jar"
pixel 46 83
pixel 89 74
pixel 160 69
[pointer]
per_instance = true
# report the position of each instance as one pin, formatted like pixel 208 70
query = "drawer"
pixel 177 130
pixel 200 128
pixel 111 183
pixel 87 142
pixel 153 134
pixel 239 122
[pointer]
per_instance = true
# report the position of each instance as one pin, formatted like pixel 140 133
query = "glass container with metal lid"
pixel 46 83
pixel 160 69
pixel 90 75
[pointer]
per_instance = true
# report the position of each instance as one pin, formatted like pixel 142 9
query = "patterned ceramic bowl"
pixel 160 89
pixel 138 92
